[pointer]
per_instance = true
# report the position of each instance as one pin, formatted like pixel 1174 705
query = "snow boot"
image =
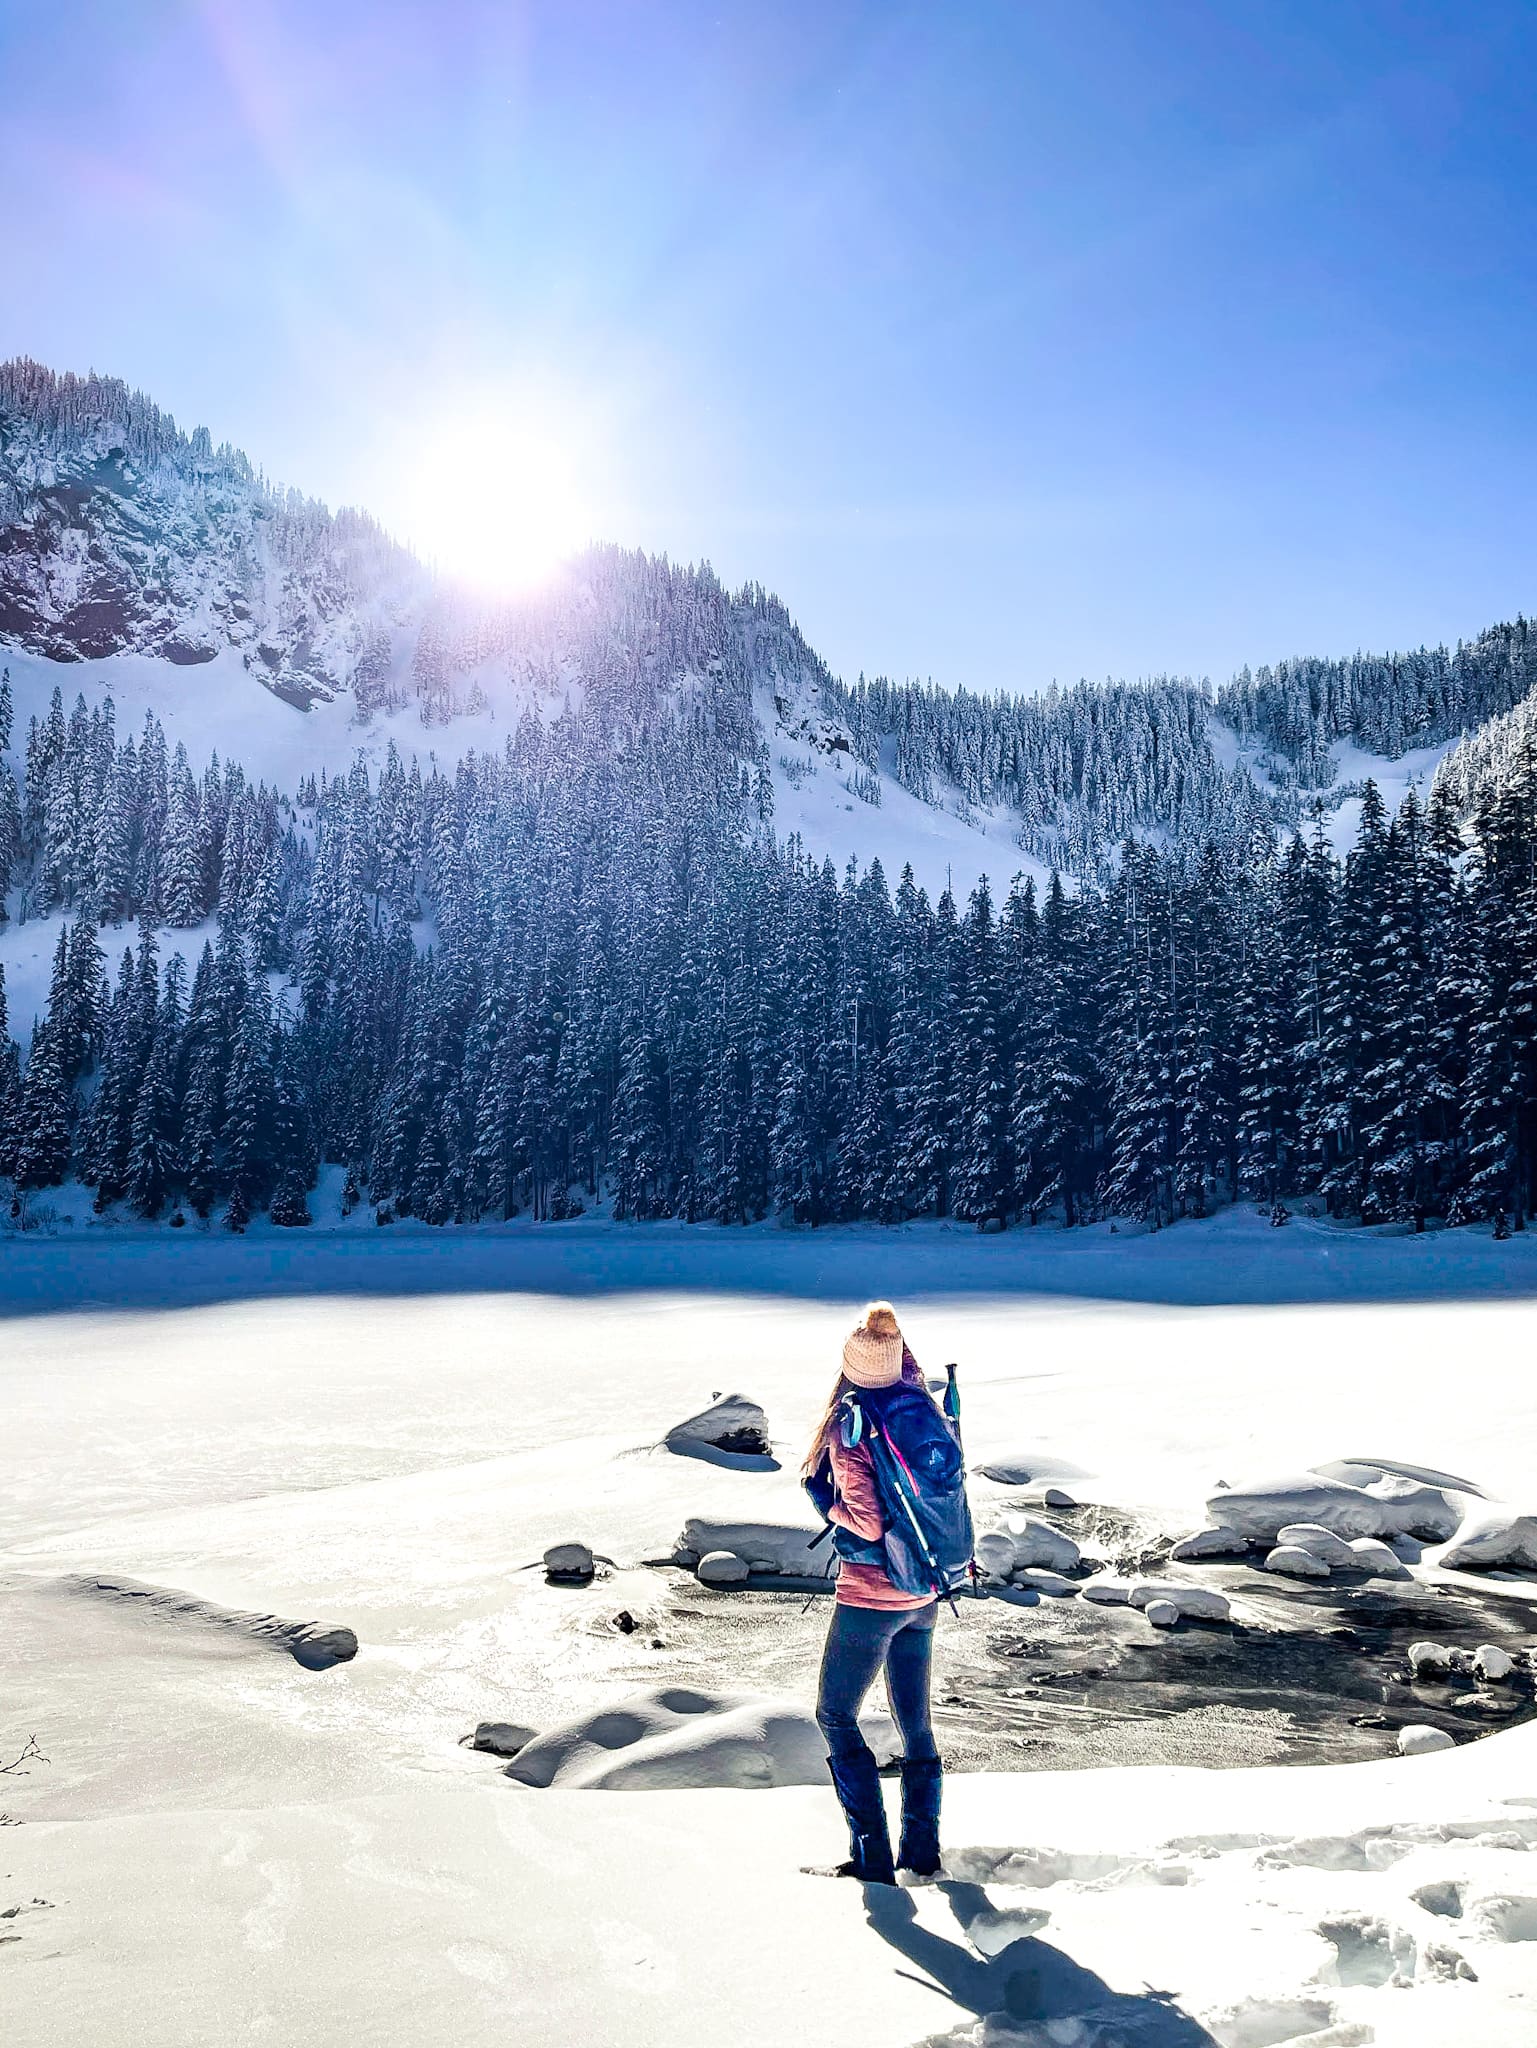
pixel 922 1777
pixel 858 1786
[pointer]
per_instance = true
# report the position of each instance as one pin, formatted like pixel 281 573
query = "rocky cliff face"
pixel 120 534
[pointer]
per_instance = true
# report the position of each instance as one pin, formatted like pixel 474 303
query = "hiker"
pixel 885 1469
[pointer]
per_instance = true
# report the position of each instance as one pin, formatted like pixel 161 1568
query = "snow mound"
pixel 731 1426
pixel 1035 1542
pixel 1393 1505
pixel 777 1548
pixel 1419 1739
pixel 1367 1471
pixel 722 1568
pixel 1374 1556
pixel 1195 1603
pixel 317 1645
pixel 675 1739
pixel 1494 1536
pixel 1293 1562
pixel 1329 1549
pixel 1210 1543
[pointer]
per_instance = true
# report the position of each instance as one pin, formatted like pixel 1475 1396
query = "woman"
pixel 874 1624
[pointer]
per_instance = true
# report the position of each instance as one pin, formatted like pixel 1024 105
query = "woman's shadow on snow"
pixel 1028 1982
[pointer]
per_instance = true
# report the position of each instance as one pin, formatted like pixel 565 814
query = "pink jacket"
pixel 858 1509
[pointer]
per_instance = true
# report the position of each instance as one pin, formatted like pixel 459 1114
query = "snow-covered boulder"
pixel 776 1547
pixel 1367 1472
pixel 1293 1562
pixel 1494 1536
pixel 569 1564
pixel 722 1568
pixel 1261 1509
pixel 1493 1665
pixel 1372 1555
pixel 1391 1506
pixel 1419 1739
pixel 1039 1543
pixel 1162 1613
pixel 1411 1508
pixel 1045 1581
pixel 676 1738
pixel 1105 1589
pixel 731 1424
pixel 1197 1603
pixel 1210 1543
pixel 1434 1661
pixel 1322 1543
pixel 1059 1497
pixel 995 1555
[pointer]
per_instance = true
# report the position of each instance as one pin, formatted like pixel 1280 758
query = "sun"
pixel 494 499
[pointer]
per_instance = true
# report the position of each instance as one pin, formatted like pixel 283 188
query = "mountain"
pixel 617 896
pixel 121 535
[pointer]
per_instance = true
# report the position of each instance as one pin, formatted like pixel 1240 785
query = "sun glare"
pixel 495 501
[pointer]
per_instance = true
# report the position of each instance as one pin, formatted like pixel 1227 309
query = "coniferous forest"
pixel 585 969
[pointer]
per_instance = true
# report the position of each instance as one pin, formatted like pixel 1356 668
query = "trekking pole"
pixel 952 1407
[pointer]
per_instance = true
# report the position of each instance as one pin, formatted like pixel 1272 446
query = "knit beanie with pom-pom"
pixel 872 1353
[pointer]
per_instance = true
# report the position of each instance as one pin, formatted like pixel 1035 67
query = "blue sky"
pixel 1005 342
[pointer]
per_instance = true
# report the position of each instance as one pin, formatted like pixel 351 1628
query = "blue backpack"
pixel 920 1477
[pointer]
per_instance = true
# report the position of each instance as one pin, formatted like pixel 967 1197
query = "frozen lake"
pixel 387 1435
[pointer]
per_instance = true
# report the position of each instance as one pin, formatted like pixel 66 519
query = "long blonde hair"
pixel 878 1320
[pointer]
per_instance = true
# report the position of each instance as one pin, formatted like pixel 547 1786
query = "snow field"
pixel 318 1853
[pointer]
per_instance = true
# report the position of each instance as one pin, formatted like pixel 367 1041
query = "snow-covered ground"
pixel 382 1431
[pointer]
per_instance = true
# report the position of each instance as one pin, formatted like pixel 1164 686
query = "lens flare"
pixel 494 498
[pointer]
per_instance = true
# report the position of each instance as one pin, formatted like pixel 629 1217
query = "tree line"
pixel 583 969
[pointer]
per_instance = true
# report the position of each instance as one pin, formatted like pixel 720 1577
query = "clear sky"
pixel 1005 342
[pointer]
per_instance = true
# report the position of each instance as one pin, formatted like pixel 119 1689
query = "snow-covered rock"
pixel 675 1737
pixel 1199 1603
pixel 1262 1508
pixel 1162 1613
pixel 1045 1581
pixel 1493 1664
pixel 1040 1543
pixel 501 1738
pixel 1411 1508
pixel 1059 1497
pixel 1368 1471
pixel 1322 1543
pixel 731 1423
pixel 1432 1660
pixel 569 1563
pixel 1491 1537
pixel 776 1547
pixel 1106 1589
pixel 1391 1506
pixel 1419 1739
pixel 1293 1562
pixel 1210 1543
pixel 995 1554
pixel 1372 1555
pixel 722 1568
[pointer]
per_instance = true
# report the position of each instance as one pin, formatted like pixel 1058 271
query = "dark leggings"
pixel 859 1642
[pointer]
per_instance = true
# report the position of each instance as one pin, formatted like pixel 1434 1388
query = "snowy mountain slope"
pixel 142 558
pixel 118 533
